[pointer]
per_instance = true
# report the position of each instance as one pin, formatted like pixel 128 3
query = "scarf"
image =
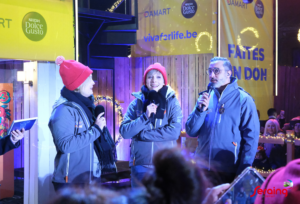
pixel 106 152
pixel 87 103
pixel 104 145
pixel 160 111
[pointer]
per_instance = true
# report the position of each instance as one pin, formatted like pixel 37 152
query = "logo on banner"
pixel 259 9
pixel 189 8
pixel 34 26
pixel 271 192
pixel 236 3
pixel 288 183
pixel 165 11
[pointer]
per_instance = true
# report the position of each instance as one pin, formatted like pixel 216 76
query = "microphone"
pixel 99 109
pixel 153 97
pixel 210 88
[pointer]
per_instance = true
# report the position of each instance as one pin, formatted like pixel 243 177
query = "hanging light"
pixel 299 35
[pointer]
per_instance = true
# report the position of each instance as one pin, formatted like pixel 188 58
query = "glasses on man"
pixel 215 70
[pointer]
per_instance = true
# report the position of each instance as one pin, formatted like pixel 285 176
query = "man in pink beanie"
pixel 74 127
pixel 152 121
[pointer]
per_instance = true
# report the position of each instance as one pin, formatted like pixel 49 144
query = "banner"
pixel 246 34
pixel 6 108
pixel 176 27
pixel 36 29
pixel 7 160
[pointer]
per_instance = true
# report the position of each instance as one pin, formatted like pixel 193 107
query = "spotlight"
pixel 247 1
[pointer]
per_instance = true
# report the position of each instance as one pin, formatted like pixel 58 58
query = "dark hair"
pixel 226 62
pixel 176 179
pixel 88 195
pixel 271 111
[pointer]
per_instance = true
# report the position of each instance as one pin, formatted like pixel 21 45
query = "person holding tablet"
pixel 74 127
pixel 10 142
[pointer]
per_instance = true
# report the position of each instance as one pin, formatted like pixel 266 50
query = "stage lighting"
pixel 247 1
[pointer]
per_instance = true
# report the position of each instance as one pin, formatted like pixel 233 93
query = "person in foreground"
pixel 12 141
pixel 74 127
pixel 227 127
pixel 175 179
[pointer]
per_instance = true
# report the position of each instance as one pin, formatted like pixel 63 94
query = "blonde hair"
pixel 79 89
pixel 276 126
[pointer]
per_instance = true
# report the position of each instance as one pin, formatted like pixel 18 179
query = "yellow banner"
pixel 247 41
pixel 36 29
pixel 176 27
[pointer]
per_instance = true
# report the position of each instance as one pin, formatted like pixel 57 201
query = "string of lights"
pixel 118 108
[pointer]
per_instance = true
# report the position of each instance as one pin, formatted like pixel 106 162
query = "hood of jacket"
pixel 58 102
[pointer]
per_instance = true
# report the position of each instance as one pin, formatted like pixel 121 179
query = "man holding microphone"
pixel 226 123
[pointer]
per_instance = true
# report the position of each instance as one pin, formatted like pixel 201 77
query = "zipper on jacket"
pixel 235 153
pixel 67 167
pixel 132 143
pixel 213 129
pixel 235 148
pixel 152 148
pixel 87 123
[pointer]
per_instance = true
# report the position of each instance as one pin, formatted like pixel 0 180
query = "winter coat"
pixel 147 138
pixel 73 137
pixel 228 141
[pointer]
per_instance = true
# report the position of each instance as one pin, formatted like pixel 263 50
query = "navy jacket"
pixel 7 145
pixel 228 141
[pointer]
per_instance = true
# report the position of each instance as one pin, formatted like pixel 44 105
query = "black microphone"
pixel 210 88
pixel 99 109
pixel 153 97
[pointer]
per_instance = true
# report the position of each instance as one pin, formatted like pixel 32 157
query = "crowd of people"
pixel 272 156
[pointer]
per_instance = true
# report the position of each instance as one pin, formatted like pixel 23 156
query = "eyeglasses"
pixel 215 70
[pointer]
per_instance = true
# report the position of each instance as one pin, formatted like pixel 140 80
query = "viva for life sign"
pixel 36 29
pixel 176 27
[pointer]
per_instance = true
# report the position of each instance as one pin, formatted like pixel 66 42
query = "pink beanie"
pixel 73 73
pixel 157 66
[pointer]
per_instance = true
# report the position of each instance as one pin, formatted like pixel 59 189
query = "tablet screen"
pixel 20 124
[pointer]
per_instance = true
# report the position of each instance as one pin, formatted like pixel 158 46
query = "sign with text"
pixel 36 29
pixel 176 27
pixel 247 41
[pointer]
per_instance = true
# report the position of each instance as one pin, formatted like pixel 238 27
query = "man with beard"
pixel 226 123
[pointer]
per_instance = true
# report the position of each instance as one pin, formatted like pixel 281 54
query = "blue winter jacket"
pixel 146 138
pixel 228 141
pixel 74 137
